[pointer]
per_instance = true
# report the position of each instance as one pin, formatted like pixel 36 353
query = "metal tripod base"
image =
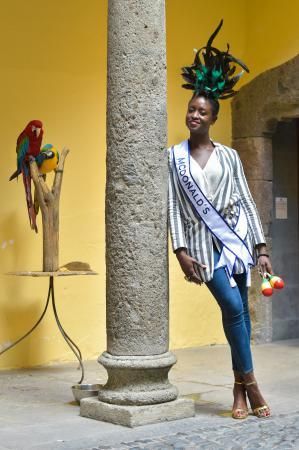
pixel 75 349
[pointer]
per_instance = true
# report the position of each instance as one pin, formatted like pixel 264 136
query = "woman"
pixel 215 228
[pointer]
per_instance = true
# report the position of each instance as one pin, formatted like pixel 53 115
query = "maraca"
pixel 276 282
pixel 266 287
pixel 269 282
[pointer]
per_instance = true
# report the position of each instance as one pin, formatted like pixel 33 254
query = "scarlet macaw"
pixel 28 145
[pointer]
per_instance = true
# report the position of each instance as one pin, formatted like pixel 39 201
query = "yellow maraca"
pixel 266 288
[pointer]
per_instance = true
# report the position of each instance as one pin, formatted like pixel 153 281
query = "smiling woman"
pixel 215 228
pixel 200 116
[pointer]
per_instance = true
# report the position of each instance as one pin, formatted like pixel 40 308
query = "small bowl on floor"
pixel 85 390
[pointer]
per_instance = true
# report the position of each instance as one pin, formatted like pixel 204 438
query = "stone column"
pixel 137 357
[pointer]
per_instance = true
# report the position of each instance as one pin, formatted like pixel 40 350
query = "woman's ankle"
pixel 249 378
pixel 238 377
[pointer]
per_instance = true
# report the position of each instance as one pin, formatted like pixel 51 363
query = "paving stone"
pixel 280 432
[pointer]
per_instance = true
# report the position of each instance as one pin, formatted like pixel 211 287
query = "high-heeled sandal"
pixel 259 411
pixel 239 413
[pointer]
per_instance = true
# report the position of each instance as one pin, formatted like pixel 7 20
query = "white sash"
pixel 231 239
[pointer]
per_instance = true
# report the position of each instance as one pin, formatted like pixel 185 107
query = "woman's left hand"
pixel 264 265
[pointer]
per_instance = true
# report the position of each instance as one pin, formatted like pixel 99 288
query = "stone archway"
pixel 271 97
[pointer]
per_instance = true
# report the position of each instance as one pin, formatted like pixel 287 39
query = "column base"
pixel 137 380
pixel 134 416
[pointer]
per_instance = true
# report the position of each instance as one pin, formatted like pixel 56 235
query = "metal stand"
pixel 75 349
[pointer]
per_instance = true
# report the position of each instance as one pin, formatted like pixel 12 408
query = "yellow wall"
pixel 272 36
pixel 53 68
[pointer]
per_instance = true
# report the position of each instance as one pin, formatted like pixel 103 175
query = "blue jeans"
pixel 233 302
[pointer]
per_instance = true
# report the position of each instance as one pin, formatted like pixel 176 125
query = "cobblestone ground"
pixel 280 432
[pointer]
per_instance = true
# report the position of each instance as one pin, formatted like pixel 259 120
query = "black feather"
pixel 212 37
pixel 238 61
pixel 214 77
pixel 188 86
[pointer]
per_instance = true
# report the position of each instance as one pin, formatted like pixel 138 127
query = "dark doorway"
pixel 285 229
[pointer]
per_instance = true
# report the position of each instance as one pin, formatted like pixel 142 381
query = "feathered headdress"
pixel 215 77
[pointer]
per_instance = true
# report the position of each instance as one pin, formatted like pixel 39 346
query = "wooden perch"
pixel 48 200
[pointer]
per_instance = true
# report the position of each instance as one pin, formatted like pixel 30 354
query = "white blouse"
pixel 209 177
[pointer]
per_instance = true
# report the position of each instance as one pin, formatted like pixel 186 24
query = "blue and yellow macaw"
pixel 48 158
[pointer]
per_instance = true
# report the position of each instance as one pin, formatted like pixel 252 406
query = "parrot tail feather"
pixel 32 218
pixel 14 175
pixel 35 201
pixel 30 205
pixel 36 204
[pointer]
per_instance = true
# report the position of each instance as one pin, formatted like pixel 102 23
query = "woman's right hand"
pixel 187 265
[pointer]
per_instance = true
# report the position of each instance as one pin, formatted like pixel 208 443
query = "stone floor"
pixel 279 433
pixel 37 410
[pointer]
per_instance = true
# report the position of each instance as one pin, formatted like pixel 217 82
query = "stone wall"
pixel 271 97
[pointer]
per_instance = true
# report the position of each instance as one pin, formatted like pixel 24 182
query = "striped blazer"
pixel 189 231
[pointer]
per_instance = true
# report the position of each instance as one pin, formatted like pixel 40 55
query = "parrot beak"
pixel 37 130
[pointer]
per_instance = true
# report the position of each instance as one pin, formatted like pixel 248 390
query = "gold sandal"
pixel 239 413
pixel 262 411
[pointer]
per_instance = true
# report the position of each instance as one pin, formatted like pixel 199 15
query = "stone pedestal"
pixel 137 357
pixel 133 416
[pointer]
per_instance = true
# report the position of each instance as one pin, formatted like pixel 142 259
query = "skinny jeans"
pixel 233 302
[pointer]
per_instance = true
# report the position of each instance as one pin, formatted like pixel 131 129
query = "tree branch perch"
pixel 48 200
